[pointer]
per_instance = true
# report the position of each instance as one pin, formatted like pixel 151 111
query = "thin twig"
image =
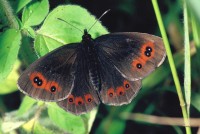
pixel 172 121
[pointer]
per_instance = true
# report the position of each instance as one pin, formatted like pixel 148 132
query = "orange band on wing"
pixel 88 98
pixel 53 87
pixel 147 52
pixel 144 49
pixel 111 92
pixel 120 90
pixel 70 99
pixel 126 85
pixel 38 80
pixel 79 101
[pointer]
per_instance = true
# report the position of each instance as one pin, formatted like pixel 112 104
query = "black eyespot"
pixel 127 85
pixel 71 100
pixel 79 102
pixel 139 66
pixel 111 94
pixel 148 54
pixel 89 100
pixel 148 49
pixel 39 82
pixel 36 79
pixel 53 89
pixel 120 93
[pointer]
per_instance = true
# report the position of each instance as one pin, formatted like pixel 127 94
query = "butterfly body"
pixel 108 69
pixel 89 51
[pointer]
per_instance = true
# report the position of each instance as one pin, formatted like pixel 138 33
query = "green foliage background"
pixel 29 29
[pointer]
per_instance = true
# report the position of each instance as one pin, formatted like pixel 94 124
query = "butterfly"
pixel 108 69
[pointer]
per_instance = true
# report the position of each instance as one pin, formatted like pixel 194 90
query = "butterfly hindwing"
pixel 51 77
pixel 134 55
pixel 115 89
pixel 83 97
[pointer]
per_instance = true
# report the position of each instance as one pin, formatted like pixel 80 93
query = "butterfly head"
pixel 86 36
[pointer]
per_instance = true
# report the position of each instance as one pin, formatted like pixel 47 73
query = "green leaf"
pixel 35 126
pixel 11 125
pixel 26 104
pixel 35 12
pixel 1 125
pixel 11 122
pixel 44 44
pixel 21 4
pixel 91 118
pixel 27 53
pixel 194 6
pixel 38 128
pixel 9 46
pixel 196 100
pixel 116 127
pixel 67 121
pixel 55 33
pixel 9 84
pixel 30 32
pixel 114 116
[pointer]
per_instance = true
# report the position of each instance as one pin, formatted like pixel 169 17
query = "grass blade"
pixel 187 69
pixel 172 65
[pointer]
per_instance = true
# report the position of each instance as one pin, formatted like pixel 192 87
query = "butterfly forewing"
pixel 134 55
pixel 51 77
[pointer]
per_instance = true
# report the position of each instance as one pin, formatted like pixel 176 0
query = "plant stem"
pixel 6 14
pixel 187 69
pixel 172 65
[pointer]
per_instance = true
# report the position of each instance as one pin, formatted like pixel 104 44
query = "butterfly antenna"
pixel 99 18
pixel 70 24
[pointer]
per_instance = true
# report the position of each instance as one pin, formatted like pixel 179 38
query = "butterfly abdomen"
pixel 94 77
pixel 93 69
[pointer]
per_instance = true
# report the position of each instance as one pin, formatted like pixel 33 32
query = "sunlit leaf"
pixel 21 4
pixel 9 46
pixel 55 33
pixel 67 121
pixel 9 84
pixel 35 12
pixel 26 104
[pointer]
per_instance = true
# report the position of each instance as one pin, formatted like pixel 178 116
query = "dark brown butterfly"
pixel 107 69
